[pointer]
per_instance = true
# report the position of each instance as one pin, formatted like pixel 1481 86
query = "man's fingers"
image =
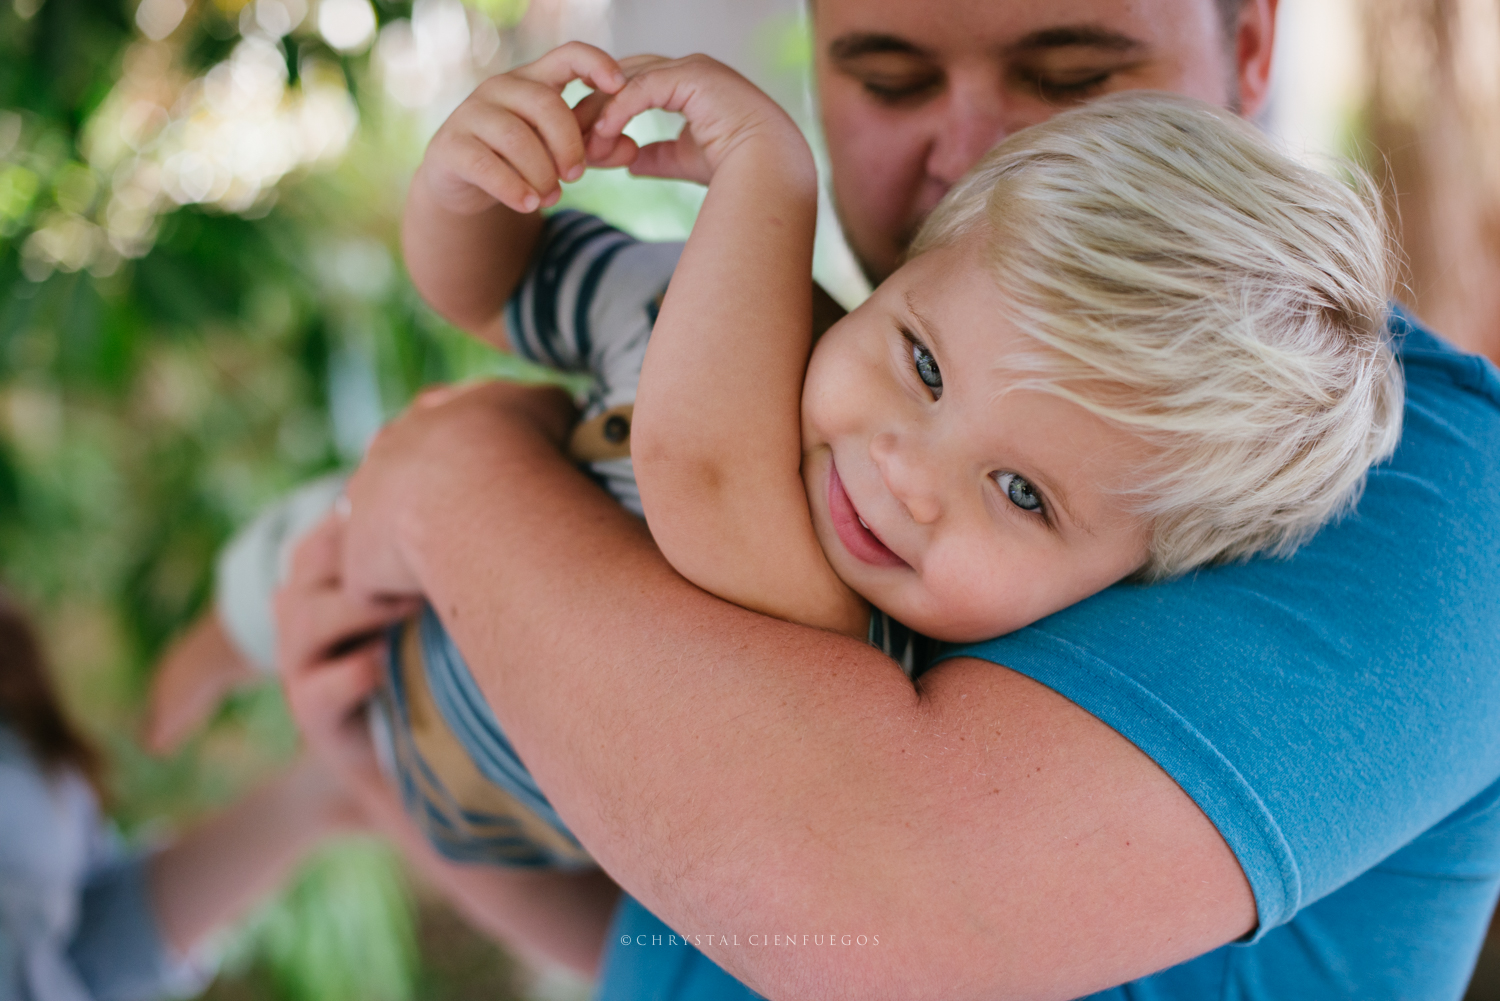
pixel 436 396
pixel 575 61
pixel 326 621
pixel 317 558
pixel 336 689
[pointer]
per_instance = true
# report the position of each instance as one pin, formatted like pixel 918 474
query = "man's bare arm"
pixel 744 775
pixel 329 674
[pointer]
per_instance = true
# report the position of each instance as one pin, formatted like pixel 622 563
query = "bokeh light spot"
pixel 346 25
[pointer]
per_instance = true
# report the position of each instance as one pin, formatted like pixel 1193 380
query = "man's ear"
pixel 1254 42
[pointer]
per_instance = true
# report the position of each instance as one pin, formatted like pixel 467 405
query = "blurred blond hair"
pixel 1188 282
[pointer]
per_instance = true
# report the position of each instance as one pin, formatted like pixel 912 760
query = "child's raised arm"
pixel 716 438
pixel 472 214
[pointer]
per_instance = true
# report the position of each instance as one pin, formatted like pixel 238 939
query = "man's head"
pixel 913 94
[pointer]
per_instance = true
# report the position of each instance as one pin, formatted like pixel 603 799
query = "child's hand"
pixel 514 138
pixel 724 112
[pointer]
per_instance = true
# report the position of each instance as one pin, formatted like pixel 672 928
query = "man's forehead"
pixel 851 28
pixel 856 43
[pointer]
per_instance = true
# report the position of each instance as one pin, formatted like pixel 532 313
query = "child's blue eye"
pixel 927 369
pixel 1019 491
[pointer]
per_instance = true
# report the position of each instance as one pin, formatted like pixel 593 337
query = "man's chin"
pixel 880 262
pixel 878 271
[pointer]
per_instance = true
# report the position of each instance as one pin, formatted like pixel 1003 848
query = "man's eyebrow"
pixel 1076 36
pixel 868 43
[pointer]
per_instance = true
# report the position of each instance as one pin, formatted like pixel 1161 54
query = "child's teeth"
pixel 862 523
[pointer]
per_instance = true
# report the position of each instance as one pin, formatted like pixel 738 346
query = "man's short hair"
pixel 1187 282
pixel 1229 17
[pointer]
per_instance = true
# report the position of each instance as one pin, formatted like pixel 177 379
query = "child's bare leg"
pixel 199 669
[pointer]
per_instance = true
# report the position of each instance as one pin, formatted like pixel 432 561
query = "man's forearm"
pixel 602 705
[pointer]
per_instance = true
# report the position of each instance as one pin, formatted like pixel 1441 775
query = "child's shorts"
pixel 459 777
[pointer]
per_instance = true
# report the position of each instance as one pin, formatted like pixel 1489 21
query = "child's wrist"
pixel 771 157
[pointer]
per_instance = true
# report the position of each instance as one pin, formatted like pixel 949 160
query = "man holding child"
pixel 1270 780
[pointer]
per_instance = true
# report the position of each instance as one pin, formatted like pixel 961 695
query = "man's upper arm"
pixel 1027 844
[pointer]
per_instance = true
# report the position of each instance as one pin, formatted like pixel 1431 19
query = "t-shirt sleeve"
pixel 1326 710
pixel 588 301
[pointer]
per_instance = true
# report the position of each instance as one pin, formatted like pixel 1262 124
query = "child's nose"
pixel 907 477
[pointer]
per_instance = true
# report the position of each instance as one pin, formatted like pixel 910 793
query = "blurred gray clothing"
pixel 256 561
pixel 76 922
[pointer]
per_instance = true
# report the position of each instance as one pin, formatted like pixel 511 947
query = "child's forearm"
pixel 467 266
pixel 716 439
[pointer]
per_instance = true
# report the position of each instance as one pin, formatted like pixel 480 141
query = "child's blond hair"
pixel 1195 286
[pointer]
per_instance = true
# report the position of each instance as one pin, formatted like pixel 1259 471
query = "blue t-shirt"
pixel 1336 715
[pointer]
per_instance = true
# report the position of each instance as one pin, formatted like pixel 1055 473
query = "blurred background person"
pixel 82 918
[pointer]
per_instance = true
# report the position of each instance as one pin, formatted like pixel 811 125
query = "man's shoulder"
pixel 1327 708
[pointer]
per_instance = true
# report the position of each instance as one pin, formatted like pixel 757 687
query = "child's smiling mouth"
pixel 852 531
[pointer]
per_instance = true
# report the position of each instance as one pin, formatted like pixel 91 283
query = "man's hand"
pixel 330 646
pixel 374 563
pixel 199 669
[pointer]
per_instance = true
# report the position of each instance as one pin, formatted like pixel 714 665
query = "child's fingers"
pixel 515 140
pixel 586 112
pixel 619 152
pixel 553 121
pixel 601 152
pixel 495 177
pixel 670 159
pixel 575 61
pixel 658 84
pixel 633 65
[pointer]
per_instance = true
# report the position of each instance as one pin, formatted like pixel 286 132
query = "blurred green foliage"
pixel 201 306
pixel 166 373
pixel 291 938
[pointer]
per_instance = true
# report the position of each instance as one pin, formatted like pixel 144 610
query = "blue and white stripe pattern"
pixel 586 305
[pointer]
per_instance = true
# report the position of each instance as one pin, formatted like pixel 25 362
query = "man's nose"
pixel 971 121
pixel 908 476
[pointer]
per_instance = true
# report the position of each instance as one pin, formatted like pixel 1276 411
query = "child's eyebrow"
pixel 1054 492
pixel 929 329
